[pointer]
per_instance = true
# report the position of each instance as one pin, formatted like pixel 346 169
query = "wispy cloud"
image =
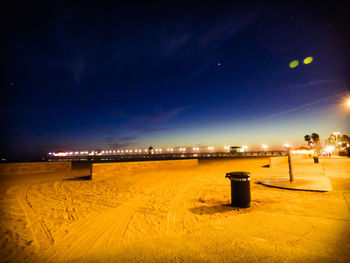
pixel 301 107
pixel 225 29
pixel 121 141
pixel 163 115
pixel 315 83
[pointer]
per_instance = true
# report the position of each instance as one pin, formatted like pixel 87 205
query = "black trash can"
pixel 240 189
pixel 315 159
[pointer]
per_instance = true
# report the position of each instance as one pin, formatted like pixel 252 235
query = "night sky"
pixel 105 75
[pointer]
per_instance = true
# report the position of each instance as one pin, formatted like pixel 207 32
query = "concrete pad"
pixel 315 184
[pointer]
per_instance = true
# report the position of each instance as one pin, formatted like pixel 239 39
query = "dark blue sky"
pixel 111 74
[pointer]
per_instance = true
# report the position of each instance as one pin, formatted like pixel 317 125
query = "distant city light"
pixel 60 154
pixel 308 152
pixel 264 146
pixel 329 149
pixel 243 148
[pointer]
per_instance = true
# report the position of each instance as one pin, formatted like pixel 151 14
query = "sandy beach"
pixel 175 215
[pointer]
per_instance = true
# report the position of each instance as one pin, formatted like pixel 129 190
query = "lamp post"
pixel 290 164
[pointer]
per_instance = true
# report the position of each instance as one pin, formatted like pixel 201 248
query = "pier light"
pixel 126 151
pixel 243 148
pixel 50 153
pixel 146 150
pixel 103 152
pixel 118 151
pixel 76 152
pixel 122 151
pixel 286 145
pixel 171 149
pixel 348 103
pixel 264 146
pixel 160 150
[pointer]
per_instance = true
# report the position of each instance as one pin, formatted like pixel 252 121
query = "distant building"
pixel 235 149
pixel 150 150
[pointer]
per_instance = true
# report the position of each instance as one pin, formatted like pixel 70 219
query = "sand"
pixel 175 215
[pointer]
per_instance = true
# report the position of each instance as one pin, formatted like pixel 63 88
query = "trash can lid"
pixel 238 174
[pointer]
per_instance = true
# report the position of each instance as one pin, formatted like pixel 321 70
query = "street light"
pixel 348 102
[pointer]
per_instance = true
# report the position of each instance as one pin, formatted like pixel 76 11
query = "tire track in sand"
pixel 178 215
pixel 100 232
pixel 40 232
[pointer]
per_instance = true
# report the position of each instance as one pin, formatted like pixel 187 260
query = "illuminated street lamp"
pixel 347 103
pixel 264 146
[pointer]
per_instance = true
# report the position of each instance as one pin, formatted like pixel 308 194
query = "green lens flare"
pixel 308 60
pixel 294 64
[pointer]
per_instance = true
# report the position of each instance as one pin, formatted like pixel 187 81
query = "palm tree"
pixel 316 138
pixel 308 139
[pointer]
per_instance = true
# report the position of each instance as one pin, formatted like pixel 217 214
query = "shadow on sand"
pixel 79 178
pixel 210 210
